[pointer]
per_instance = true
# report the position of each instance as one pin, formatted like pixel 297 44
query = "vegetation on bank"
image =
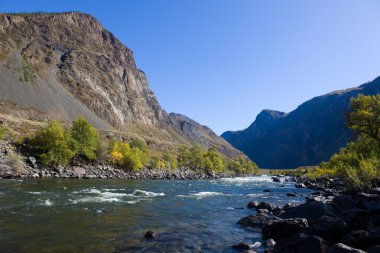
pixel 2 132
pixel 56 144
pixel 357 164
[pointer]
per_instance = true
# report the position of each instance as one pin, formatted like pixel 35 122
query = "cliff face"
pixel 306 136
pixel 63 65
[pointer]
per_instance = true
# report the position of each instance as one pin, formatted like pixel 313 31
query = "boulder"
pixel 267 190
pixel 291 194
pixel 342 202
pixel 281 228
pixel 277 179
pixel 269 243
pixel 310 210
pixel 241 246
pixel 252 204
pixel 265 211
pixel 342 248
pixel 374 249
pixel 257 221
pixel 300 185
pixel 329 228
pixel 297 243
pixel 79 171
pixel 150 235
pixel 266 205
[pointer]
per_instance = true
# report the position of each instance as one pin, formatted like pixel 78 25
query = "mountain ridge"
pixel 58 66
pixel 308 135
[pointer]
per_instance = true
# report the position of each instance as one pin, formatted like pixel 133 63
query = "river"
pixel 62 215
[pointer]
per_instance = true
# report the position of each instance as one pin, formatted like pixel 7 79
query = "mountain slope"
pixel 306 136
pixel 63 65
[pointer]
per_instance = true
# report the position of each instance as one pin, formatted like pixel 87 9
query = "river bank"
pixel 330 221
pixel 14 166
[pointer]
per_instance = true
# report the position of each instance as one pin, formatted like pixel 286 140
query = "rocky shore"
pixel 330 221
pixel 13 166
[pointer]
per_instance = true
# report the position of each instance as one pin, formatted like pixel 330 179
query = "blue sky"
pixel 221 62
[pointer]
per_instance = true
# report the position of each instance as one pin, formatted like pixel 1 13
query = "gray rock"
pixel 281 228
pixel 291 194
pixel 252 204
pixel 298 243
pixel 329 228
pixel 35 175
pixel 257 221
pixel 342 248
pixel 310 210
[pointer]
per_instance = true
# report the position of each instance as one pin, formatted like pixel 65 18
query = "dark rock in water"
pixel 291 194
pixel 363 239
pixel 375 191
pixel 298 243
pixel 150 235
pixel 300 185
pixel 310 210
pixel 269 243
pixel 257 221
pixel 329 228
pixel 342 248
pixel 282 228
pixel 265 211
pixel 265 205
pixel 267 190
pixel 277 179
pixel 374 249
pixel 241 246
pixel 342 202
pixel 289 205
pixel 253 204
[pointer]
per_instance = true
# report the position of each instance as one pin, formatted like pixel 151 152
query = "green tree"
pixel 140 144
pixel 364 116
pixel 86 138
pixel 213 160
pixel 55 143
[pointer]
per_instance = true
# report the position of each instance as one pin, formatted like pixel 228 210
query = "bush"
pixel 123 154
pixel 242 165
pixel 213 160
pixel 55 143
pixel 85 137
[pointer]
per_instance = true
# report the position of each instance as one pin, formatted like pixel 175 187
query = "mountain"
pixel 306 136
pixel 63 65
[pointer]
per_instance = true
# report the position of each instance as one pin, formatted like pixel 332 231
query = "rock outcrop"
pixel 63 65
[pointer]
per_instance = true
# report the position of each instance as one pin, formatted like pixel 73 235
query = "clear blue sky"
pixel 221 62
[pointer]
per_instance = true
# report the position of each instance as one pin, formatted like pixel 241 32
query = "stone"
pixel 269 243
pixel 291 194
pixel 257 221
pixel 277 179
pixel 31 161
pixel 241 246
pixel 298 243
pixel 266 205
pixel 252 204
pixel 281 228
pixel 150 235
pixel 35 175
pixel 329 228
pixel 342 202
pixel 342 248
pixel 300 185
pixel 374 249
pixel 267 190
pixel 310 210
pixel 265 211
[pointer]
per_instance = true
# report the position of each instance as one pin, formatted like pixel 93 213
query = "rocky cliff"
pixel 306 136
pixel 63 65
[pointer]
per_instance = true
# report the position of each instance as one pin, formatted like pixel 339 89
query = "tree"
pixel 123 154
pixel 56 145
pixel 86 138
pixel 364 116
pixel 213 160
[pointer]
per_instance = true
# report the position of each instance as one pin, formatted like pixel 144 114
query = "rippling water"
pixel 55 215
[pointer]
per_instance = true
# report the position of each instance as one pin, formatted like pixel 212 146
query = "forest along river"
pixel 58 215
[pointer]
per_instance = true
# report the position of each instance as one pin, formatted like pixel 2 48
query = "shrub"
pixel 213 160
pixel 123 154
pixel 85 137
pixel 157 163
pixel 56 145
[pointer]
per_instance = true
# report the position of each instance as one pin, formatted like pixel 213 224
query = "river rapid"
pixel 67 215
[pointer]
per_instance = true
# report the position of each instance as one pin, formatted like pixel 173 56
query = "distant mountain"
pixel 306 136
pixel 58 66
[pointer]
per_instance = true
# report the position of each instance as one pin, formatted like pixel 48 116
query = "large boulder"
pixel 297 243
pixel 310 210
pixel 329 228
pixel 281 228
pixel 342 248
pixel 257 221
pixel 363 239
pixel 266 205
